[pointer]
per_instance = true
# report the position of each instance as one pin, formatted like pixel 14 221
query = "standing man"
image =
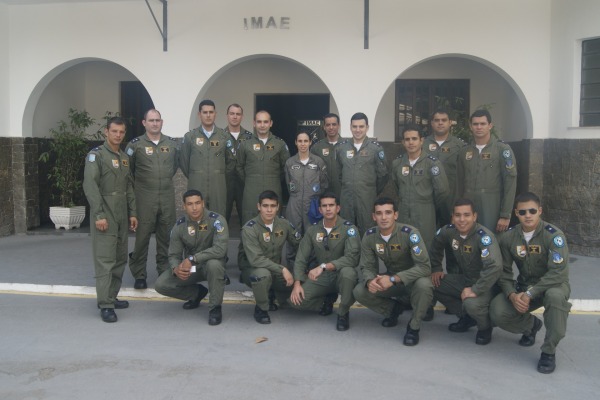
pixel 467 294
pixel 197 253
pixel 154 159
pixel 326 149
pixel 487 174
pixel 261 163
pixel 421 184
pixel 335 246
pixel 540 251
pixel 235 186
pixel 108 187
pixel 408 272
pixel 363 173
pixel 207 155
pixel 259 256
pixel 446 148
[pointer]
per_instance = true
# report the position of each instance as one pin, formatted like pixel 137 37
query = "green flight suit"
pixel 543 266
pixel 405 255
pixel 153 167
pixel 261 168
pixel 341 247
pixel 206 162
pixel 235 186
pixel 489 179
pixel 420 189
pixel 327 152
pixel 108 187
pixel 259 258
pixel 480 262
pixel 304 183
pixel 363 175
pixel 205 240
pixel 447 153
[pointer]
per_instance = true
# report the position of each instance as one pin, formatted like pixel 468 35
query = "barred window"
pixel 589 107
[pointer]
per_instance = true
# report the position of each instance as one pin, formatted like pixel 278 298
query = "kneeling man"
pixel 467 294
pixel 540 252
pixel 405 256
pixel 197 251
pixel 326 264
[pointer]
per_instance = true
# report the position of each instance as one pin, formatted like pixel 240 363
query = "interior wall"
pixel 4 68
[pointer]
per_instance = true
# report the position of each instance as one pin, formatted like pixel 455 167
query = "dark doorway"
pixel 289 110
pixel 135 101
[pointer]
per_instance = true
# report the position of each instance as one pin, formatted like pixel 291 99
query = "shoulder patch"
pixel 137 139
pixel 347 223
pixel 558 241
pixel 432 157
pixel 181 220
pixel 406 229
pixel 213 215
pixel 129 151
pixel 414 238
pixel 251 223
pixel 550 228
pixel 351 232
pixel 370 231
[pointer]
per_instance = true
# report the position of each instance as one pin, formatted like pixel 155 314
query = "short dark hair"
pixel 358 116
pixel 383 201
pixel 262 111
pixel 206 103
pixel 464 202
pixel 269 195
pixel 329 195
pixel 303 133
pixel 527 196
pixel 332 115
pixel 440 110
pixel 116 121
pixel 481 113
pixel 190 193
pixel 236 105
pixel 412 127
pixel 150 110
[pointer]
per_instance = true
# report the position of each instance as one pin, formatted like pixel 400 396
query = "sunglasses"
pixel 532 211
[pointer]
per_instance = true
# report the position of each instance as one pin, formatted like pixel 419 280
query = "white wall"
pixel 324 36
pixel 572 22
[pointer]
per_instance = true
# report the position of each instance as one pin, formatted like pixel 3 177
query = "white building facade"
pixel 523 57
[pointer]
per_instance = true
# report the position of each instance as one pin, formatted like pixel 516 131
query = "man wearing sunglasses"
pixel 540 251
pixel 326 264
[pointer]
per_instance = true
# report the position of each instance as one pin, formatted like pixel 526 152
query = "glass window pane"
pixel 590 106
pixel 590 76
pixel 590 91
pixel 591 46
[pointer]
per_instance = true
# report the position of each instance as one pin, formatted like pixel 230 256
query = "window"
pixel 416 99
pixel 589 107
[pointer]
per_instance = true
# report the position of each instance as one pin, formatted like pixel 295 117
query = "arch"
pixel 490 84
pixel 238 81
pixel 85 83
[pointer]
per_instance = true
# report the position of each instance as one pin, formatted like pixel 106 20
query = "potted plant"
pixel 68 149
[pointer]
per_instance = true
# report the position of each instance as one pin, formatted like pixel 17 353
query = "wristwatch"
pixel 323 266
pixel 393 279
pixel 528 293
pixel 192 259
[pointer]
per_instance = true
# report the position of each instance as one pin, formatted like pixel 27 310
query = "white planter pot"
pixel 67 217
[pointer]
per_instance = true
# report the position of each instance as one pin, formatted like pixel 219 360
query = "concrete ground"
pixel 54 346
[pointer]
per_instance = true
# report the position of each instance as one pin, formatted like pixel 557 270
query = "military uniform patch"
pixel 351 232
pixel 380 248
pixel 506 154
pixel 414 238
pixel 395 247
pixel 435 170
pixel 350 154
pixel 556 258
pixel 267 236
pixel 214 143
pixel 316 187
pixel 405 170
pixel 165 149
pixel 295 167
pixel 218 226
pixel 130 151
pixel 445 149
pixel 256 146
pixel 558 241
pixel 297 235
pixel 325 152
pixel 125 163
pixel 485 253
pixel 270 147
pixel 467 248
pixel 417 250
pixel 455 244
pixel 203 228
pixel 199 141
pixel 278 233
pixel 149 151
pixel 432 146
pixel 486 156
pixel 229 144
pixel 418 172
pixel 91 157
pixel 334 236
pixel 469 155
pixel 319 237
pixel 535 249
pixel 115 163
pixel 381 155
pixel 486 240
pixel 522 251
pixel 191 230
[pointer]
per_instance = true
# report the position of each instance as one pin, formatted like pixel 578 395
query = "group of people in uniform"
pixel 455 202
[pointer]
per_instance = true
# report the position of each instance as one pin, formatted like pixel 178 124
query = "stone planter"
pixel 67 217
